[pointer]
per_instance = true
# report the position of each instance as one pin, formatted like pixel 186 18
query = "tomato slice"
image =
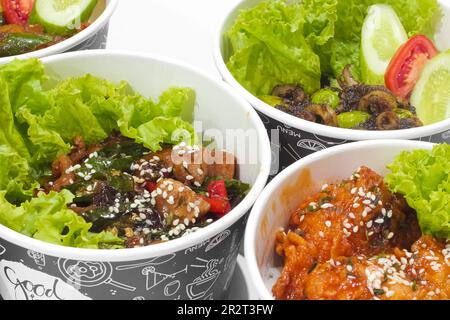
pixel 17 11
pixel 218 188
pixel 150 186
pixel 219 206
pixel 407 64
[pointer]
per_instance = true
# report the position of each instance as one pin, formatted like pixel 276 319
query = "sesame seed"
pixel 328 223
pixel 189 177
pixel 390 235
pixel 321 234
pixel 379 221
pixel 327 206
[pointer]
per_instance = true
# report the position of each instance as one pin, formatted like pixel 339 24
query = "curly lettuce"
pixel 280 41
pixel 423 177
pixel 38 124
pixel 275 43
pixel 47 218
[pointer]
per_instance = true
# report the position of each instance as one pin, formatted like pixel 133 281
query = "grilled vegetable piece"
pixel 12 44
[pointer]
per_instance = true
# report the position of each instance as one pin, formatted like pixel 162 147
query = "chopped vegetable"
pixel 352 119
pixel 431 95
pixel 62 17
pixel 423 177
pixel 406 66
pixel 382 35
pixel 326 96
pixel 17 11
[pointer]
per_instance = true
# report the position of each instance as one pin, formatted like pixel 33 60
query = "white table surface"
pixel 178 29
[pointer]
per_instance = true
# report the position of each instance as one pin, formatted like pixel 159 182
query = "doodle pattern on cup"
pixel 202 271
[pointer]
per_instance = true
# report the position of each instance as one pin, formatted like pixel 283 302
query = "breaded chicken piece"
pixel 420 274
pixel 359 216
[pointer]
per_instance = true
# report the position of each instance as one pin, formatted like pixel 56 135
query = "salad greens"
pixel 38 124
pixel 281 41
pixel 423 177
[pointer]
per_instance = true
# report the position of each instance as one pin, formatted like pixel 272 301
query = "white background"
pixel 179 29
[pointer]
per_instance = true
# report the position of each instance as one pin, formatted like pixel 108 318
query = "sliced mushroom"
pixel 408 123
pixel 387 121
pixel 290 92
pixel 377 102
pixel 346 79
pixel 323 114
pixel 306 115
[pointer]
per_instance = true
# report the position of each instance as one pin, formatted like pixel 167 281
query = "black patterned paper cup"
pixel 293 138
pixel 93 37
pixel 197 266
pixel 289 189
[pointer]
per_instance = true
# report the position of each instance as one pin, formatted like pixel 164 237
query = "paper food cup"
pixel 93 37
pixel 284 194
pixel 293 138
pixel 197 266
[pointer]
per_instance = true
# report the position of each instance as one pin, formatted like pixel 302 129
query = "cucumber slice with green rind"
pixel 382 35
pixel 61 17
pixel 431 95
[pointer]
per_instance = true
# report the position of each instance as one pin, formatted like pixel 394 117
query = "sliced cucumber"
pixel 382 35
pixel 61 17
pixel 431 95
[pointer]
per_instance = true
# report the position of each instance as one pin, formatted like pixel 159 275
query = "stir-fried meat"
pixel 420 274
pixel 145 197
pixel 192 165
pixel 59 170
pixel 176 199
pixel 357 217
pixel 220 163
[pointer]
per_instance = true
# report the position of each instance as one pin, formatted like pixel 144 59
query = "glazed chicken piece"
pixel 174 198
pixel 420 274
pixel 356 217
pixel 192 165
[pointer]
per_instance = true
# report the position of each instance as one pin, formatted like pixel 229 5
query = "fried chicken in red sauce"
pixel 337 239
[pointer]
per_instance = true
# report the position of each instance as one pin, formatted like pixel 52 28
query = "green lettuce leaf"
pixel 296 42
pixel 164 130
pixel 10 133
pixel 38 124
pixel 14 175
pixel 47 218
pixel 423 177
pixel 274 43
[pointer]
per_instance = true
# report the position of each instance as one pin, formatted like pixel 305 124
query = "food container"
pixel 287 191
pixel 294 138
pixel 197 266
pixel 93 37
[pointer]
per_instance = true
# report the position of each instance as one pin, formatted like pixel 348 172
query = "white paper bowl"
pixel 198 266
pixel 93 37
pixel 287 191
pixel 298 138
